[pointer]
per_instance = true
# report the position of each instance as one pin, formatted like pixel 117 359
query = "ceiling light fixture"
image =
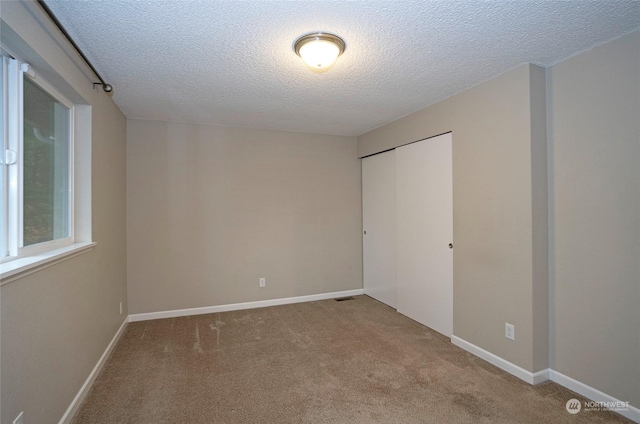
pixel 319 49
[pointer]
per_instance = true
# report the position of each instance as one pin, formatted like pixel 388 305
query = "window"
pixel 37 165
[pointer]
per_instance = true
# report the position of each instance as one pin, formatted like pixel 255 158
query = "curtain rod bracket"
pixel 108 88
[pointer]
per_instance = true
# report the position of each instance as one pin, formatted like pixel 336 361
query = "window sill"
pixel 18 268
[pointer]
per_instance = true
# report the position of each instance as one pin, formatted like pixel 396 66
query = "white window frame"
pixel 17 260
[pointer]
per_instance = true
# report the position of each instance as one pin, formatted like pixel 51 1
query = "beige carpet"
pixel 355 361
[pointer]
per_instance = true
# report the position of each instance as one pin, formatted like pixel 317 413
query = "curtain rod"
pixel 106 87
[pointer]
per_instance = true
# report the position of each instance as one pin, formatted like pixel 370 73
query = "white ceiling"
pixel 232 63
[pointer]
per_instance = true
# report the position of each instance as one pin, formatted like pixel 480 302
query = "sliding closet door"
pixel 424 190
pixel 379 226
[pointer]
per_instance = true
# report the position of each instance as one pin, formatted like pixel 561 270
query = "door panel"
pixel 379 223
pixel 424 195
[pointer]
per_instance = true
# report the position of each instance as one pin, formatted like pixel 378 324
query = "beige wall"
pixel 594 134
pixel 211 209
pixel 56 323
pixel 499 233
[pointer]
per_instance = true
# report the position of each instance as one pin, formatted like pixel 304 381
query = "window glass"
pixel 46 197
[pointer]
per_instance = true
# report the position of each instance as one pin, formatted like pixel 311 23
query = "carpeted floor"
pixel 355 361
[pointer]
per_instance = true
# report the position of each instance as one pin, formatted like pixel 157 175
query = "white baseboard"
pixel 589 392
pixel 540 377
pixel 521 373
pixel 239 306
pixel 632 412
pixel 75 404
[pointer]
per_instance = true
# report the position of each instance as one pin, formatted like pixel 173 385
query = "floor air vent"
pixel 342 299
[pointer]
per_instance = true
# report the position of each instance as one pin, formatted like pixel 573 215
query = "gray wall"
pixel 211 209
pixel 56 323
pixel 500 267
pixel 594 134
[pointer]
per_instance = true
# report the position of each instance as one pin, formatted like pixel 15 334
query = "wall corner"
pixel 540 218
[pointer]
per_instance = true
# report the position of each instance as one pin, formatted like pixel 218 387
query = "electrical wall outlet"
pixel 121 307
pixel 18 419
pixel 509 331
pixel 263 282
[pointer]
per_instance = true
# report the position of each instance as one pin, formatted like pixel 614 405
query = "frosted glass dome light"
pixel 319 50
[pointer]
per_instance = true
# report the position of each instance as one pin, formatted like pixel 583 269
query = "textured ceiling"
pixel 232 63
